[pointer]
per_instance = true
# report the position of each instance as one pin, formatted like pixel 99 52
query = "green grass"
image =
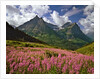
pixel 25 44
pixel 87 50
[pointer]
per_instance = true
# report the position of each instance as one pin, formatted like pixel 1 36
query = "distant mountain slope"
pixel 73 33
pixel 54 27
pixel 38 28
pixel 70 37
pixel 35 22
pixel 15 34
pixel 91 35
pixel 88 49
pixel 66 24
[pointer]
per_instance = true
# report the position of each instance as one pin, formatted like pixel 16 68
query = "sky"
pixel 58 15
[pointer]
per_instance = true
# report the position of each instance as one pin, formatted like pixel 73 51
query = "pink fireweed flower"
pixel 48 66
pixel 21 64
pixel 37 64
pixel 24 61
pixel 59 65
pixel 30 68
pixel 21 52
pixel 64 68
pixel 55 63
pixel 33 59
pixel 40 69
pixel 21 58
pixel 16 67
pixel 59 56
pixel 20 70
pixel 11 65
pixel 70 62
pixel 77 67
pixel 77 72
pixel 27 63
pixel 6 57
pixel 44 61
pixel 91 70
pixel 71 72
pixel 10 60
pixel 52 60
pixel 11 71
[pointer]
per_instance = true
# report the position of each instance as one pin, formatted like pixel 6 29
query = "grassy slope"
pixel 20 51
pixel 88 50
pixel 25 44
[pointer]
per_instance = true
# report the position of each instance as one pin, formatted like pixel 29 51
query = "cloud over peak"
pixel 88 22
pixel 58 15
pixel 19 14
pixel 59 20
pixel 89 9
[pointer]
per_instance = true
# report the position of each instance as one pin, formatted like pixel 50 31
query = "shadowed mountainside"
pixel 15 34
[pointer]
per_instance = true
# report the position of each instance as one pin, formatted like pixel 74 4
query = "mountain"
pixel 54 27
pixel 73 32
pixel 70 37
pixel 91 35
pixel 87 49
pixel 29 26
pixel 66 24
pixel 15 34
pixel 38 28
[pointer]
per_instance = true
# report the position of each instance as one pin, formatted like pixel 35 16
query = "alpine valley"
pixel 49 39
pixel 69 36
pixel 38 47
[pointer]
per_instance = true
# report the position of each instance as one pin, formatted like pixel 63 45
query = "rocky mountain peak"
pixel 66 24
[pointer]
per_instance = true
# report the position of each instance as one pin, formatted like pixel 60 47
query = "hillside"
pixel 15 34
pixel 73 32
pixel 34 58
pixel 40 30
pixel 88 49
pixel 70 37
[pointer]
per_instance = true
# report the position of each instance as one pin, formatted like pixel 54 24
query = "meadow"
pixel 87 50
pixel 33 58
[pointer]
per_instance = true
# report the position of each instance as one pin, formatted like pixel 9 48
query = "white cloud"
pixel 23 13
pixel 74 8
pixel 11 9
pixel 19 15
pixel 64 10
pixel 88 22
pixel 41 10
pixel 88 9
pixel 73 11
pixel 59 20
pixel 47 20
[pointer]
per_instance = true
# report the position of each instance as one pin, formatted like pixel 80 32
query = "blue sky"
pixel 58 15
pixel 62 9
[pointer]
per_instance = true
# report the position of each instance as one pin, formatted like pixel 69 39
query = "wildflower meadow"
pixel 29 60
